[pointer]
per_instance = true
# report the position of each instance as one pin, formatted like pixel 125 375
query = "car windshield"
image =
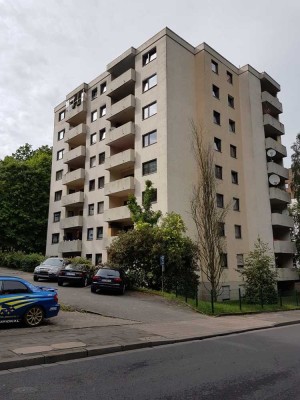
pixel 75 267
pixel 54 262
pixel 108 272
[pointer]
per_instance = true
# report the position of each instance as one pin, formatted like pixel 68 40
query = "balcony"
pixel 272 103
pixel 287 274
pixel 76 157
pixel 272 126
pixel 122 111
pixel 120 161
pixel 279 196
pixel 74 199
pixel 122 137
pixel 278 147
pixel 71 222
pixel 284 246
pixel 122 63
pixel 70 246
pixel 117 214
pixel 274 168
pixel 269 84
pixel 74 179
pixel 282 220
pixel 76 112
pixel 120 187
pixel 122 86
pixel 76 136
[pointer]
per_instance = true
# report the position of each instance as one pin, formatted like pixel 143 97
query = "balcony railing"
pixel 71 222
pixel 75 178
pixel 120 187
pixel 70 246
pixel 117 214
pixel 282 220
pixel 279 195
pixel 287 274
pixel 271 102
pixel 274 168
pixel 278 147
pixel 123 160
pixel 77 135
pixel 284 246
pixel 75 157
pixel 76 112
pixel 120 86
pixel 122 111
pixel 123 136
pixel 74 199
pixel 272 126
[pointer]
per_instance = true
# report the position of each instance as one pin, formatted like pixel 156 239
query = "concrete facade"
pixel 133 123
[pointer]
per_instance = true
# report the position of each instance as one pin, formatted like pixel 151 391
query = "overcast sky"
pixel 47 48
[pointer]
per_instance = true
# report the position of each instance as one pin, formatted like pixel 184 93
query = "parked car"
pixel 109 279
pixel 76 274
pixel 22 301
pixel 49 269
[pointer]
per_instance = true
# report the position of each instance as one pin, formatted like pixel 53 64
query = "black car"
pixel 75 274
pixel 109 279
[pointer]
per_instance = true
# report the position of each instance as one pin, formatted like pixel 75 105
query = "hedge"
pixel 20 261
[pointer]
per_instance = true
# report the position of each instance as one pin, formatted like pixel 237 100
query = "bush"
pixel 21 261
pixel 84 263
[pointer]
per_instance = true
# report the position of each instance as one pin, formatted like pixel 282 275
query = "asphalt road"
pixel 259 365
pixel 134 306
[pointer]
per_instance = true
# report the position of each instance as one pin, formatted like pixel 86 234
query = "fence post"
pixel 196 296
pixel 296 294
pixel 280 298
pixel 176 289
pixel 261 298
pixel 212 301
pixel 240 299
pixel 185 292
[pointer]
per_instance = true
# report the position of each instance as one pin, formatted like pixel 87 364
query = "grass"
pixel 228 307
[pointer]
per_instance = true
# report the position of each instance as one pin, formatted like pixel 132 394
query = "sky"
pixel 47 48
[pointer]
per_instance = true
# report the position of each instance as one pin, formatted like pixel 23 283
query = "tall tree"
pixel 295 208
pixel 24 199
pixel 208 218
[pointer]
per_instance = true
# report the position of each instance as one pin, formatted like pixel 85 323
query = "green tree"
pixel 24 199
pixel 295 208
pixel 259 275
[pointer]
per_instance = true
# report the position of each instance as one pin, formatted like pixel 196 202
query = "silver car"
pixel 49 269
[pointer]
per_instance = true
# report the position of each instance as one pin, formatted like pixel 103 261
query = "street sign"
pixel 162 260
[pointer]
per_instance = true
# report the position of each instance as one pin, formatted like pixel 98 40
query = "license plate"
pixel 106 280
pixel 70 273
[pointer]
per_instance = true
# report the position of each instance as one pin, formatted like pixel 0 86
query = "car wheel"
pixel 34 316
pixel 93 290
pixel 35 278
pixel 60 282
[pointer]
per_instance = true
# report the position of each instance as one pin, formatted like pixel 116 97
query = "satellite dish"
pixel 274 180
pixel 271 153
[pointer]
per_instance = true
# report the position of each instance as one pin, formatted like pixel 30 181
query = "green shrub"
pixel 30 261
pixel 85 263
pixel 21 261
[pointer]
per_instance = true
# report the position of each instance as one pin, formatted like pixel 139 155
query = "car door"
pixel 14 299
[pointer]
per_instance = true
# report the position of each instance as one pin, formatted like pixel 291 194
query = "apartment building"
pixel 133 123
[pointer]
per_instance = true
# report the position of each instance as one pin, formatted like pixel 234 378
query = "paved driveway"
pixel 134 306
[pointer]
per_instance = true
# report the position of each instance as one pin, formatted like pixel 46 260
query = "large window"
pixel 61 134
pixel 217 117
pixel 215 91
pixel 93 162
pixel 240 260
pixel 236 204
pixel 102 134
pixel 93 138
pixel 217 144
pixel 102 158
pixel 62 115
pixel 224 260
pixel 220 200
pixel 56 216
pixel 233 151
pixel 60 154
pixel 214 67
pixel 229 77
pixel 238 231
pixel 149 138
pixel 90 233
pixel 149 56
pixel 59 175
pixel 91 209
pixel 100 232
pixel 55 238
pixel 94 93
pixel 234 177
pixel 101 182
pixel 149 167
pixel 231 126
pixel 149 82
pixel 94 115
pixel 222 228
pixel 218 172
pixel 149 110
pixel 57 195
pixel 92 185
pixel 100 207
pixel 103 88
pixel 102 111
pixel 230 101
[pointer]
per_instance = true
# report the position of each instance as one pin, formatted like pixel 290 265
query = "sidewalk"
pixel 74 335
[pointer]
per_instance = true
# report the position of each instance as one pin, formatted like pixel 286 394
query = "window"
pixel 229 77
pixel 149 167
pixel 91 209
pixel 214 67
pixel 149 138
pixel 236 204
pixel 56 216
pixel 230 101
pixel 89 257
pixel 217 144
pixel 101 182
pixel 220 200
pixel 240 260
pixel 90 234
pixel 57 195
pixel 94 93
pixel 238 231
pixel 153 197
pixel 231 126
pixel 93 162
pixel 215 91
pixel 102 134
pixel 13 287
pixel 59 175
pixel 61 134
pixel 98 258
pixel 233 151
pixel 103 88
pixel 61 115
pixel 221 228
pixel 92 185
pixel 218 172
pixel 94 115
pixel 150 110
pixel 60 154
pixel 100 232
pixel 150 56
pixel 100 207
pixel 149 82
pixel 102 111
pixel 93 138
pixel 224 260
pixel 217 117
pixel 55 238
pixel 102 158
pixel 234 177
